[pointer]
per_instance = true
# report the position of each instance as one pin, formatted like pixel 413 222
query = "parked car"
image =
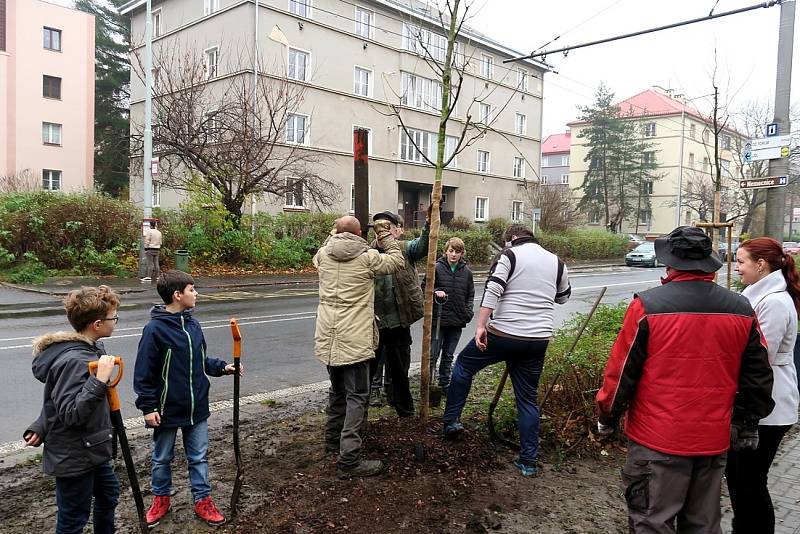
pixel 791 247
pixel 643 255
pixel 634 240
pixel 723 249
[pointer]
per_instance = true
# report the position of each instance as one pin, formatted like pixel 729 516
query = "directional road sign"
pixel 769 142
pixel 767 181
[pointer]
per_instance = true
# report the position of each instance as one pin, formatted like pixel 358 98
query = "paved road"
pixel 277 326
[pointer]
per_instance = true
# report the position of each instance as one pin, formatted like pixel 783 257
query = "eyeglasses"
pixel 115 319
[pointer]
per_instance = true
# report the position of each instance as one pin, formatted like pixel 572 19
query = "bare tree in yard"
pixel 558 212
pixel 448 63
pixel 23 181
pixel 240 137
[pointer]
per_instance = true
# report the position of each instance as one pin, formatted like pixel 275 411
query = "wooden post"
pixel 729 253
pixel 361 177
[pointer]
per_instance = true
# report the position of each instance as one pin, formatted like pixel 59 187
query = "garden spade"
pixel 119 429
pixel 237 355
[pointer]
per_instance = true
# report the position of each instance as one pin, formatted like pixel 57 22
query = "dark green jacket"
pixel 398 296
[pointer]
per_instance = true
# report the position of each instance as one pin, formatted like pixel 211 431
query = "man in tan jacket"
pixel 346 334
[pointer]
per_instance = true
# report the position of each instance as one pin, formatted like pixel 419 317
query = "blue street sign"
pixel 748 156
pixel 772 129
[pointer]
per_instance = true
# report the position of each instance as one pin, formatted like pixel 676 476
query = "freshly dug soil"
pixel 291 485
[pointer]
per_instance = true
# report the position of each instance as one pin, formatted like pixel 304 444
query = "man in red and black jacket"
pixel 690 369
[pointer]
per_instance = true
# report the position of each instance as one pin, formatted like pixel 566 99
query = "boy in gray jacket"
pixel 75 422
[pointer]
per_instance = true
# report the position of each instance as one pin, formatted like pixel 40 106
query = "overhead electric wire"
pixel 592 17
pixel 763 5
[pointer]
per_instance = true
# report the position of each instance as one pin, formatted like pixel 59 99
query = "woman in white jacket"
pixel 773 289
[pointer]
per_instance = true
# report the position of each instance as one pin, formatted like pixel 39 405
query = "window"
pixel 544 179
pixel 211 126
pixel 691 160
pixel 51 87
pixel 692 131
pixel 297 129
pixel 300 7
pixel 521 124
pixel 156 195
pixel 421 93
pixel 519 167
pixel 547 161
pixel 212 62
pixel 51 133
pixel 647 187
pixel 298 64
pixel 705 164
pixel 726 142
pixel 705 136
pixel 565 161
pixel 645 216
pixel 426 143
pixel 594 217
pixel 522 79
pixel 423 42
pixel 361 82
pixel 51 180
pixel 294 193
pixel 365 22
pixel 483 161
pixel 650 129
pixel 565 179
pixel 726 167
pixel 210 6
pixel 484 113
pixel 487 66
pixel 516 211
pixel 353 199
pixel 369 138
pixel 52 39
pixel 157 22
pixel 481 208
pixel 649 158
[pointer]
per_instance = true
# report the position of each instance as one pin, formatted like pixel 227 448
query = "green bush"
pixel 29 271
pixel 584 244
pixel 497 227
pixel 460 224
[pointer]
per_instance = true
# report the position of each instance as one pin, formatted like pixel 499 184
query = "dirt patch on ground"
pixel 291 484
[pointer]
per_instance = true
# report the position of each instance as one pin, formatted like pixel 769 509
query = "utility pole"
pixel 717 174
pixel 776 196
pixel 148 128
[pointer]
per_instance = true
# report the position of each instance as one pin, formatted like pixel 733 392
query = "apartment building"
pixel 682 146
pixel 555 159
pixel 354 58
pixel 46 96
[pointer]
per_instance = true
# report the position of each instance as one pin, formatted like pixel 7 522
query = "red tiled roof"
pixel 556 144
pixel 651 103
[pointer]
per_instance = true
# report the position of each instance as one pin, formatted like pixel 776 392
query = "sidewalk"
pixel 783 487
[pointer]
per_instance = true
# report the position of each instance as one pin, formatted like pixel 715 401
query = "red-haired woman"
pixel 773 289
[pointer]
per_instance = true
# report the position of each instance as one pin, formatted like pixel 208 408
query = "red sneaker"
pixel 157 510
pixel 208 512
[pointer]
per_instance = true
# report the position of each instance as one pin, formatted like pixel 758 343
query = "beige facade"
pixel 355 61
pixel 682 142
pixel 46 96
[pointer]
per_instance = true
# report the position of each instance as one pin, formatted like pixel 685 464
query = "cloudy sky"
pixel 681 59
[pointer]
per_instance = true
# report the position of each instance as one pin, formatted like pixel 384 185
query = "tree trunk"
pixel 433 239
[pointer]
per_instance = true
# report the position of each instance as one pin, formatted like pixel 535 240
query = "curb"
pixel 29 289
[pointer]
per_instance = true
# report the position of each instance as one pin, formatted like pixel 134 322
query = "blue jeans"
pixel 195 443
pixel 524 359
pixel 74 500
pixel 446 345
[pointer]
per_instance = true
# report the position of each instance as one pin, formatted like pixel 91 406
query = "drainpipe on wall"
pixel 680 172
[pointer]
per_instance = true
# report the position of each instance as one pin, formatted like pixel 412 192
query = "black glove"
pixel 744 436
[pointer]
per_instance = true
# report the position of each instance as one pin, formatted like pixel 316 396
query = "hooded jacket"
pixel 777 317
pixel 459 285
pixel 172 369
pixel 75 422
pixel 346 332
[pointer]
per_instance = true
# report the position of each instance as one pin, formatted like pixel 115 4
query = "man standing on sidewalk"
pixel 346 336
pixel 152 253
pixel 524 284
pixel 690 367
pixel 399 304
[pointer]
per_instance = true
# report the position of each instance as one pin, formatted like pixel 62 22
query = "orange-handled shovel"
pixel 237 355
pixel 119 428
